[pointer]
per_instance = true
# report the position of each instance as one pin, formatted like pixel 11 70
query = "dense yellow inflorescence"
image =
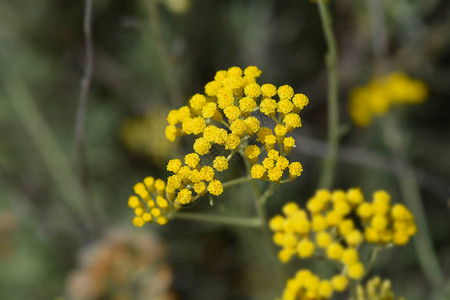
pixel 376 289
pixel 334 225
pixel 375 98
pixel 227 116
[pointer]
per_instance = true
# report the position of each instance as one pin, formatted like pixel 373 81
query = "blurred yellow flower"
pixel 375 98
pixel 145 136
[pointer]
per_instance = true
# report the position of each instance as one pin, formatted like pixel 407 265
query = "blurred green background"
pixel 151 56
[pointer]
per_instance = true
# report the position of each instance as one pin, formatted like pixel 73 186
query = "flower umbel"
pixel 334 225
pixel 227 116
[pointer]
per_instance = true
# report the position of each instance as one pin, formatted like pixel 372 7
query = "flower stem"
pixel 329 167
pixel 225 220
pixel 236 181
pixel 427 256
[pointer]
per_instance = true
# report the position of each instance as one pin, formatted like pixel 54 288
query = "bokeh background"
pixel 62 238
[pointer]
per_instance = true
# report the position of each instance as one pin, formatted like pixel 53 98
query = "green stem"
pixel 236 181
pixel 54 158
pixel 225 220
pixel 411 196
pixel 329 167
pixel 176 95
pixel 373 257
pixel 353 289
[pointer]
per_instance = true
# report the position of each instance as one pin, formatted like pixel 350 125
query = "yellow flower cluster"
pixel 375 289
pixel 375 98
pixel 149 203
pixel 192 176
pixel 334 225
pixel 225 116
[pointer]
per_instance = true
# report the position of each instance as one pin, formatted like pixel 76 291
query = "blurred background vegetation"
pixel 62 238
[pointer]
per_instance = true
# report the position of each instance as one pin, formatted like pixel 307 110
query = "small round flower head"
pixel 292 121
pixel 160 185
pixel 202 146
pixel 273 154
pixel 184 172
pixel 335 251
pixel 232 112
pixel 285 106
pixel 305 248
pixel 325 289
pixel 295 169
pixel 252 125
pixel 252 71
pixel 257 171
pixel 238 127
pixel 268 106
pixel 300 101
pixel 197 101
pixel 184 196
pixel 220 163
pixel 200 188
pixel 268 163
pixel 212 88
pixel 350 256
pixel 183 113
pixel 282 163
pixel 208 110
pixel 172 117
pixel 174 182
pixel 252 90
pixel 268 90
pixel 280 130
pixel 171 133
pixel 356 270
pixel 269 141
pixel 285 92
pixel 355 196
pixel 195 177
pixel 252 152
pixel 262 133
pixel 247 105
pixel 134 202
pixel 323 239
pixel 186 126
pixel 275 174
pixel 220 76
pixel 192 160
pixel 198 125
pixel 232 141
pixel 339 282
pixel 235 71
pixel 215 188
pixel 207 173
pixel 225 99
pixel 138 221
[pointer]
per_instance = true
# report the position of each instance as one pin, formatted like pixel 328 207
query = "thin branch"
pixel 176 95
pixel 376 161
pixel 217 219
pixel 80 118
pixel 410 192
pixel 329 167
pixel 54 158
